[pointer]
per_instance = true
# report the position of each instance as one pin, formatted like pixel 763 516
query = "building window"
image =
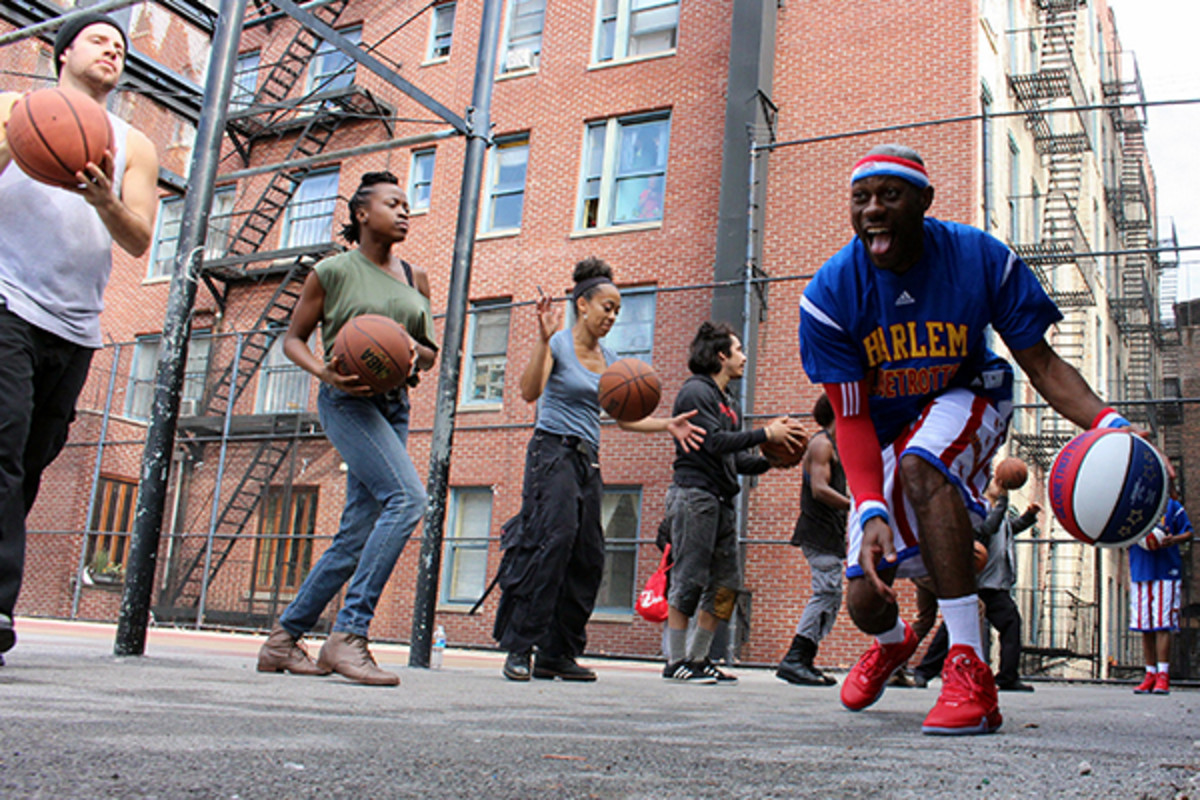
pixel 488 348
pixel 170 218
pixel 625 169
pixel 464 562
pixel 283 387
pixel 139 397
pixel 284 547
pixel 441 32
pixel 523 35
pixel 1014 191
pixel 632 28
pixel 505 197
pixel 420 180
pixel 330 68
pixel 620 511
pixel 245 80
pixel 309 217
pixel 632 335
pixel 109 527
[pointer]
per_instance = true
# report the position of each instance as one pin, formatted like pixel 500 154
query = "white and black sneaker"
pixel 7 636
pixel 687 672
pixel 718 675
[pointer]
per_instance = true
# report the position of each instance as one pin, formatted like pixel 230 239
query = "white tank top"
pixel 55 253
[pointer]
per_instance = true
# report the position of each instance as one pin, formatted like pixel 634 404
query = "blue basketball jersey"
pixel 913 336
pixel 1166 563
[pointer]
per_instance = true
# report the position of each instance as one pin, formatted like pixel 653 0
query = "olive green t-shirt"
pixel 353 286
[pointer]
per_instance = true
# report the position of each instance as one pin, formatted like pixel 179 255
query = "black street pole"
pixel 479 123
pixel 172 357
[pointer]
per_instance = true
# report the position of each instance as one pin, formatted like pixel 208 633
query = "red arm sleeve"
pixel 858 445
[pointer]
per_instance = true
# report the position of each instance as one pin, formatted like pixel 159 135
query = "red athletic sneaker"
pixel 1147 684
pixel 867 680
pixel 968 701
pixel 1162 685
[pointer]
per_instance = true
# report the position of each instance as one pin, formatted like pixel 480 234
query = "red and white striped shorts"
pixel 959 433
pixel 1154 605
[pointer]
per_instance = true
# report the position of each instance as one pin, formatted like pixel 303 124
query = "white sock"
pixel 961 615
pixel 1164 667
pixel 894 636
pixel 1150 669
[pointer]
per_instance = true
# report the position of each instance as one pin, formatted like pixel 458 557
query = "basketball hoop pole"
pixel 160 436
pixel 425 601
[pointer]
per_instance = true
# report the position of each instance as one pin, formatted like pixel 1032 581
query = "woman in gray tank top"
pixel 385 497
pixel 554 549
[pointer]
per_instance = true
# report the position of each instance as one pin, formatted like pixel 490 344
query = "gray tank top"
pixel 570 404
pixel 55 253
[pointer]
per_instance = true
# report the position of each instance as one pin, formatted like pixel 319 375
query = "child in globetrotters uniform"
pixel 894 326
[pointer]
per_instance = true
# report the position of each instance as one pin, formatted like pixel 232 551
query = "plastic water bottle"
pixel 439 647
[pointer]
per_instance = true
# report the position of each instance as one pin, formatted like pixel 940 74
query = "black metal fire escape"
pixel 310 120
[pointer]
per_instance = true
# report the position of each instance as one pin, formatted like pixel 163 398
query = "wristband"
pixel 871 509
pixel 1108 418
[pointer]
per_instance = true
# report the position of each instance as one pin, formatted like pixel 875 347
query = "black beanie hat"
pixel 71 28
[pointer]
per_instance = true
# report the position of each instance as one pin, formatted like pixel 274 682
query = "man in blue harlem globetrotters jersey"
pixel 894 328
pixel 1155 577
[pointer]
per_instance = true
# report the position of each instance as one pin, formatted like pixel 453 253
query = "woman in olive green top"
pixel 385 497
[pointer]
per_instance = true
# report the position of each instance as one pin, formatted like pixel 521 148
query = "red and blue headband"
pixel 909 170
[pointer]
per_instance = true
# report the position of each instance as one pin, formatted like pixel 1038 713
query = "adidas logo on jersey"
pixel 905 299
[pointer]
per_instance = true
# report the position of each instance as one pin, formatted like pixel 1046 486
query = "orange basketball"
pixel 981 555
pixel 375 348
pixel 630 390
pixel 1011 473
pixel 781 456
pixel 54 133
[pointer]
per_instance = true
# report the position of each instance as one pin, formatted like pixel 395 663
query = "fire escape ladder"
pixel 234 517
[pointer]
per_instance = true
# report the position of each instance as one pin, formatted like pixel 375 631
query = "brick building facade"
pixel 609 123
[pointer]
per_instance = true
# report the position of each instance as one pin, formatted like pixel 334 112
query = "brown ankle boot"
pixel 283 652
pixel 347 655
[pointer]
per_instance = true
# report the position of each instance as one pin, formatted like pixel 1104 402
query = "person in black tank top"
pixel 821 532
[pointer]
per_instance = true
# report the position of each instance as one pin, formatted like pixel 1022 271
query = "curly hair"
pixel 711 341
pixel 351 231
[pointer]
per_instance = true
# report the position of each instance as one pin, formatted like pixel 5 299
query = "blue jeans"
pixel 385 499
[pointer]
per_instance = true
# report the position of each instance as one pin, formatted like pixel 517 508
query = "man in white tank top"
pixel 55 259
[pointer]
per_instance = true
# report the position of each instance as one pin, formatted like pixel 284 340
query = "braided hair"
pixel 351 231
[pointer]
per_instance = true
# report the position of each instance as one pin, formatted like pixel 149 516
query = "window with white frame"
pixel 245 80
pixel 464 559
pixel 624 171
pixel 420 180
pixel 633 28
pixel 487 353
pixel 505 196
pixel 331 69
pixel 283 387
pixel 441 32
pixel 523 35
pixel 620 514
pixel 166 231
pixel 632 335
pixel 139 395
pixel 309 217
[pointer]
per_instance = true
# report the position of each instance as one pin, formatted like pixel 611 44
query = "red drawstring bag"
pixel 652 601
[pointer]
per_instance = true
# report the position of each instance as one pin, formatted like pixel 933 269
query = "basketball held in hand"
pixel 375 348
pixel 1011 473
pixel 780 455
pixel 630 390
pixel 54 133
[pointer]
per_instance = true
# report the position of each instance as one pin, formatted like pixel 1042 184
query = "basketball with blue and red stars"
pixel 1108 487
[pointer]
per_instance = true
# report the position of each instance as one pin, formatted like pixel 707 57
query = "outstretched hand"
pixel 689 436
pixel 550 317
pixel 877 548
